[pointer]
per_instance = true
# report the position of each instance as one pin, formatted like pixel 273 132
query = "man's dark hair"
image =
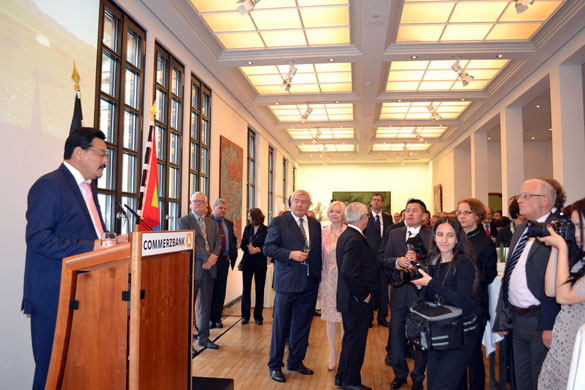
pixel 83 138
pixel 514 208
pixel 376 194
pixel 420 202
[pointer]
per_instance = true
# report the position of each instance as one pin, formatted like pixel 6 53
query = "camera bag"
pixel 431 326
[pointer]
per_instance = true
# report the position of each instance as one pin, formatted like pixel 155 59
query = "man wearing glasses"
pixel 523 307
pixel 63 219
pixel 207 250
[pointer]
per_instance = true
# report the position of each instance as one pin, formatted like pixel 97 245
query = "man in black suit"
pixel 227 257
pixel 393 254
pixel 378 221
pixel 488 224
pixel 293 241
pixel 523 307
pixel 358 279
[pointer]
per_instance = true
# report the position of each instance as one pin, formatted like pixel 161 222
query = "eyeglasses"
pixel 198 201
pixel 527 196
pixel 466 212
pixel 100 153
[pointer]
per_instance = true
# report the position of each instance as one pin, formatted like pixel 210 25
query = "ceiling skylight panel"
pixel 325 16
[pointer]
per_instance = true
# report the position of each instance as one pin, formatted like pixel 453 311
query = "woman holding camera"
pixel 253 265
pixel 452 280
pixel 329 274
pixel 564 279
pixel 470 213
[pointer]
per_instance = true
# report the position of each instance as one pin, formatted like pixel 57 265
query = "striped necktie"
pixel 511 263
pixel 203 228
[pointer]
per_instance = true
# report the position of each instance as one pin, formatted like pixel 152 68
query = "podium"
pixel 125 315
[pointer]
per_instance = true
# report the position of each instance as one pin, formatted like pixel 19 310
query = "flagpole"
pixel 77 120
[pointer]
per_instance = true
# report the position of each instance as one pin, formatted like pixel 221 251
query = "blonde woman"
pixel 328 286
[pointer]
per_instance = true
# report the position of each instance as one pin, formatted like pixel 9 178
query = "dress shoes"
pixel 302 369
pixel 417 386
pixel 277 375
pixel 388 360
pixel 384 323
pixel 338 382
pixel 194 353
pixel 356 387
pixel 245 321
pixel 397 383
pixel 217 324
pixel 212 325
pixel 209 344
pixel 258 322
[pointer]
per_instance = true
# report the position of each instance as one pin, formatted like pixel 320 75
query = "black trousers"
pixel 398 351
pixel 381 299
pixel 445 368
pixel 353 344
pixel 475 364
pixel 529 351
pixel 259 281
pixel 219 287
pixel 292 312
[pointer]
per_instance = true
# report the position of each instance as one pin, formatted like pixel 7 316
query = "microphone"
pixel 119 204
pixel 138 217
pixel 122 214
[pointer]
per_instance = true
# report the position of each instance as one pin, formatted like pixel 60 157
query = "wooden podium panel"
pixel 165 331
pixel 98 331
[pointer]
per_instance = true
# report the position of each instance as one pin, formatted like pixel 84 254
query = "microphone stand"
pixel 122 214
pixel 138 217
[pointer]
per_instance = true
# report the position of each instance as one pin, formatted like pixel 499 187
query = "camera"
pixel 562 226
pixel 406 275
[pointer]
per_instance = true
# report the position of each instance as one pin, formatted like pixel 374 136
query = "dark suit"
pixel 504 236
pixel 374 238
pixel 203 278
pixel 223 264
pixel 529 351
pixel 296 285
pixel 402 297
pixel 358 276
pixel 253 265
pixel 58 225
pixel 492 228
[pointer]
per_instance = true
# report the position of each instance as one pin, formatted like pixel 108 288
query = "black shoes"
pixel 417 386
pixel 302 369
pixel 338 382
pixel 245 321
pixel 397 383
pixel 277 375
pixel 208 344
pixel 258 322
pixel 356 387
pixel 384 323
pixel 217 324
pixel 388 360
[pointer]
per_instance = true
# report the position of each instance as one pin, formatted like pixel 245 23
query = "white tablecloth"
pixel 489 338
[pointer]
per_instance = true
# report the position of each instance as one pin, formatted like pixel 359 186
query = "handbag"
pixel 437 327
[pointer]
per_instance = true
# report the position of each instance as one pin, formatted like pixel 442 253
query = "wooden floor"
pixel 243 355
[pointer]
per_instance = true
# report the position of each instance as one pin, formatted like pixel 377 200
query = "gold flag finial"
pixel 75 77
pixel 153 111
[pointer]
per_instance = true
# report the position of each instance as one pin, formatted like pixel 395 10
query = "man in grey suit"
pixel 523 307
pixel 207 250
pixel 394 254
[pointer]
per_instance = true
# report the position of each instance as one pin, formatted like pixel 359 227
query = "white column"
pixel 568 130
pixel 479 166
pixel 512 144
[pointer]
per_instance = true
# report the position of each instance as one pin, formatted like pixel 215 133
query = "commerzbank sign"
pixel 156 243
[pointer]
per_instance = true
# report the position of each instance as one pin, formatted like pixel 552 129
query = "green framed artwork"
pixel 364 197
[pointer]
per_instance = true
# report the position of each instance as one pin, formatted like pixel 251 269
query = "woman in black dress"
pixel 253 265
pixel 470 213
pixel 453 280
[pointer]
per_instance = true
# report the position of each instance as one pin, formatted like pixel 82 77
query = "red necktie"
pixel 222 235
pixel 87 195
pixel 487 229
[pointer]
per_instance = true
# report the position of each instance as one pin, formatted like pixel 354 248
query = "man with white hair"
pixel 523 307
pixel 358 279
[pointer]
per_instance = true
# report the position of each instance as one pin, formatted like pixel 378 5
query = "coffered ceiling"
pixel 373 80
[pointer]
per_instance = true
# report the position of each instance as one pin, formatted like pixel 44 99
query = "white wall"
pixel 404 182
pixel 442 174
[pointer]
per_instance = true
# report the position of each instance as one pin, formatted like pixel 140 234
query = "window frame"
pixel 251 186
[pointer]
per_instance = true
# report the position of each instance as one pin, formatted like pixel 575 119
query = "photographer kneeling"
pixel 452 280
pixel 564 279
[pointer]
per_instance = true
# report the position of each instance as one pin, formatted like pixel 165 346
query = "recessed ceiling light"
pixel 538 106
pixel 489 138
pixel 413 57
pixel 331 60
pixel 250 62
pixel 550 129
pixel 462 100
pixel 337 101
pixel 399 100
pixel 499 56
pixel 277 103
pixel 532 138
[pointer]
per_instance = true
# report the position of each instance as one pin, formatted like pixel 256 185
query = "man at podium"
pixel 63 219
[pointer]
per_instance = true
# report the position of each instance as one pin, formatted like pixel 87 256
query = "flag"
pixel 77 120
pixel 148 202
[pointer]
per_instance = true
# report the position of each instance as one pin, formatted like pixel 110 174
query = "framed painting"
pixel 231 167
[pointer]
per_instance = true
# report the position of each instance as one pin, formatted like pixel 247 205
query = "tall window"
pixel 251 168
pixel 168 87
pixel 294 179
pixel 119 100
pixel 270 182
pixel 284 197
pixel 200 137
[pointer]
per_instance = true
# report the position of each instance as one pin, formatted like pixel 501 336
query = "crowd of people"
pixel 447 259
